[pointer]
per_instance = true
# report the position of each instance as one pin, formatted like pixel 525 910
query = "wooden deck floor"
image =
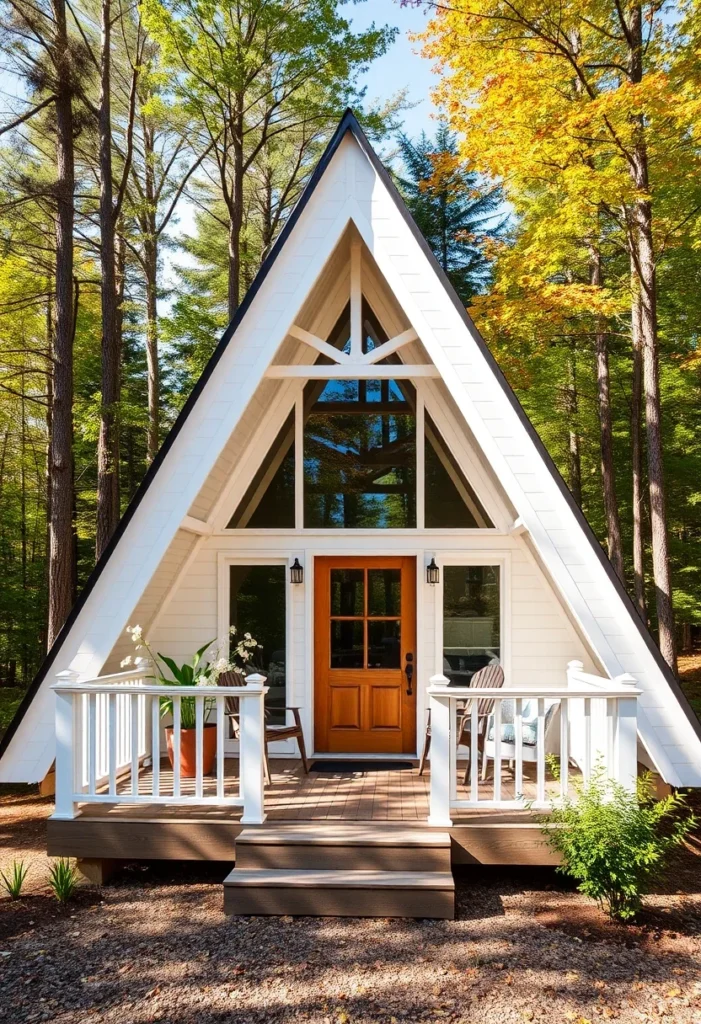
pixel 391 796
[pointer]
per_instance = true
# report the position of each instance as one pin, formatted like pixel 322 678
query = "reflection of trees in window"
pixel 257 606
pixel 450 501
pixel 359 454
pixel 269 503
pixel 471 620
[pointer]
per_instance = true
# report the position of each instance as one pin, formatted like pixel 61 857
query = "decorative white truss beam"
pixel 355 371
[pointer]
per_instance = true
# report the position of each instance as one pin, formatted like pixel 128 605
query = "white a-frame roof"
pixel 351 191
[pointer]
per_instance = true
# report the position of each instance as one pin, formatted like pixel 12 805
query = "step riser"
pixel 250 856
pixel 275 901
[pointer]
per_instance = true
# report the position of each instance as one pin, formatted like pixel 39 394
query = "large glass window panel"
pixel 257 605
pixel 359 455
pixel 471 620
pixel 269 502
pixel 450 502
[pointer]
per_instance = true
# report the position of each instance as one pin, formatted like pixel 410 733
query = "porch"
pixel 118 797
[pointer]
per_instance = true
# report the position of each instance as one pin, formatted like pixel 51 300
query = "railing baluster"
pixel 474 750
pixel 540 753
pixel 611 732
pixel 518 743
pixel 496 794
pixel 564 747
pixel 176 745
pixel 221 723
pixel 134 742
pixel 453 713
pixel 112 742
pixel 92 743
pixel 587 738
pixel 199 741
pixel 155 746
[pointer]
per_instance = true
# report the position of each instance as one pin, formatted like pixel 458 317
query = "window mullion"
pixel 299 461
pixel 420 462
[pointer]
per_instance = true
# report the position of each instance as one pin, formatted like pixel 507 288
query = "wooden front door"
pixel 364 639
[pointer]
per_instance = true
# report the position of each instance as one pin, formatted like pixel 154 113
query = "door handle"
pixel 409 672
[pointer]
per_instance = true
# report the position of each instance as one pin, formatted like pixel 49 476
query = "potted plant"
pixel 203 670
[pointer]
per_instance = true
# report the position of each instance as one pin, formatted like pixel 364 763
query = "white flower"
pixel 222 665
pixel 140 661
pixel 245 655
pixel 232 630
pixel 247 636
pixel 136 633
pixel 127 661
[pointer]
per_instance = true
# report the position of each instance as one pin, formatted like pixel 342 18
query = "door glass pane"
pixel 384 591
pixel 257 598
pixel 347 644
pixel 347 592
pixel 471 627
pixel 384 643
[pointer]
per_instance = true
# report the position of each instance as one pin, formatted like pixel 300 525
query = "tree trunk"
pixel 150 231
pixel 572 410
pixel 644 252
pixel 613 522
pixel 60 471
pixel 236 209
pixel 637 451
pixel 108 444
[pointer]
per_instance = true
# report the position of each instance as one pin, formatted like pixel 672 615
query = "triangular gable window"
pixel 450 502
pixel 269 503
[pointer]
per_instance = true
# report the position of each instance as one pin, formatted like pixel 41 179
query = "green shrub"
pixel 614 842
pixel 15 880
pixel 63 879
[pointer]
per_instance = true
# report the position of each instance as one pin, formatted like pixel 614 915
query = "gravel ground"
pixel 154 946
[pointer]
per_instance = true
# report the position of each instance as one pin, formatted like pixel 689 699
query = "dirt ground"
pixel 154 947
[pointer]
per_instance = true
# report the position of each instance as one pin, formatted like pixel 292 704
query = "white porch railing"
pixel 109 728
pixel 593 720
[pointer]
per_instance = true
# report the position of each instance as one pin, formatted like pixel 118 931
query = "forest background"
pixel 560 188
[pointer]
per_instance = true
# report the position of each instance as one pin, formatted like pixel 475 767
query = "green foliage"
pixel 456 210
pixel 614 842
pixel 63 879
pixel 14 881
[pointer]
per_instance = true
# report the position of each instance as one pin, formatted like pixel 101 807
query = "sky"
pixel 402 67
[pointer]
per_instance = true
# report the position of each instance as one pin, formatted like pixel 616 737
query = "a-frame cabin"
pixel 353 482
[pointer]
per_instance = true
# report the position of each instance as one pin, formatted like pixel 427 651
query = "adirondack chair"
pixel 489 677
pixel 272 732
pixel 529 732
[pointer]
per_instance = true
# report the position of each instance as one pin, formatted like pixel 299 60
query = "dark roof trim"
pixel 348 122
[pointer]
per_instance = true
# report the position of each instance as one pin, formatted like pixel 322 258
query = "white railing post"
pixel 626 740
pixel 252 750
pixel 68 752
pixel 441 753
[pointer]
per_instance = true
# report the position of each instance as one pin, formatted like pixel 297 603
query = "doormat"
pixel 360 766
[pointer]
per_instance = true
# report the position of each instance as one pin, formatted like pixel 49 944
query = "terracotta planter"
pixel 188 748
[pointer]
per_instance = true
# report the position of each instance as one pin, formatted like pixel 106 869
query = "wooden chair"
pixel 272 732
pixel 489 677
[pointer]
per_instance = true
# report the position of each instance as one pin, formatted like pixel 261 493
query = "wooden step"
pixel 340 893
pixel 335 846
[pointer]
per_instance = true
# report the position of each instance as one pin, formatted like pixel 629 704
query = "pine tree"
pixel 455 209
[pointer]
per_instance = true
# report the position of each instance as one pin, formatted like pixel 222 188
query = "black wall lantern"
pixel 433 573
pixel 296 572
